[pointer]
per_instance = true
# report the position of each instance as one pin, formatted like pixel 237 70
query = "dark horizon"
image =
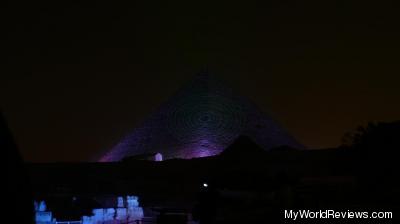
pixel 81 76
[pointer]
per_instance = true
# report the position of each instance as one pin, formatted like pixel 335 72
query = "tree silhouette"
pixel 377 150
pixel 376 139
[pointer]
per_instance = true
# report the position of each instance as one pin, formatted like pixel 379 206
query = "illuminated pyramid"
pixel 200 120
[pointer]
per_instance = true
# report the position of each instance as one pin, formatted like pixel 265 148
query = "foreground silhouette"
pixel 247 184
pixel 19 201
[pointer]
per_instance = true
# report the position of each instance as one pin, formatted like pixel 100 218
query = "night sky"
pixel 77 77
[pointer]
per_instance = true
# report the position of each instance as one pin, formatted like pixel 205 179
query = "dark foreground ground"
pixel 245 184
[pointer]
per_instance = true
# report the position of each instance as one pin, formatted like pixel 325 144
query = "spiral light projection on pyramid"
pixel 205 122
pixel 202 119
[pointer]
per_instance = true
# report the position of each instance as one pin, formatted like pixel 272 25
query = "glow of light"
pixel 205 185
pixel 158 157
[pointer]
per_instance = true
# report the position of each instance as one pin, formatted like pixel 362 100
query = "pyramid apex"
pixel 204 72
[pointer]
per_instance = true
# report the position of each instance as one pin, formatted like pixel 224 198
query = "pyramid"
pixel 201 119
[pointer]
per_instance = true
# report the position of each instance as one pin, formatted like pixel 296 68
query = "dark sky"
pixel 79 76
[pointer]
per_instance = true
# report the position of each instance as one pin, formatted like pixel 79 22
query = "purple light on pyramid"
pixel 200 120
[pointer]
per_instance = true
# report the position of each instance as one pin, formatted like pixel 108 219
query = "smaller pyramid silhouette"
pixel 235 150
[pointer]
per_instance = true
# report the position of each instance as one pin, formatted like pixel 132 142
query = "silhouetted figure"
pixel 283 190
pixel 19 198
pixel 205 211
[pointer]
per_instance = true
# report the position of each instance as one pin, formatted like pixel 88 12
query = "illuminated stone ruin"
pixel 127 210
